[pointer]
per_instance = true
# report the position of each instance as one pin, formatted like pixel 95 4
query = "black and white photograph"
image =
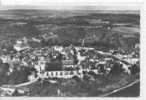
pixel 56 50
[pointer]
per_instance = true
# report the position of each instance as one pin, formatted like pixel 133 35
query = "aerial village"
pixel 65 62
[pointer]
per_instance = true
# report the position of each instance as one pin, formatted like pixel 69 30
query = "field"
pixel 127 30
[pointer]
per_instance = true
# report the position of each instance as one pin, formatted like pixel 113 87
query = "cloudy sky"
pixel 72 4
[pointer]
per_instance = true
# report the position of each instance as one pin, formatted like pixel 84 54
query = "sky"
pixel 71 4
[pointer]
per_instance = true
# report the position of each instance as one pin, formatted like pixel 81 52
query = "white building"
pixel 20 45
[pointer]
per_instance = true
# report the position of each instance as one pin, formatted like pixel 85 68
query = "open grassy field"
pixel 127 30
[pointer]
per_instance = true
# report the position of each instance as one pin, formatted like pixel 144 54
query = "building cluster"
pixel 66 62
pixel 52 59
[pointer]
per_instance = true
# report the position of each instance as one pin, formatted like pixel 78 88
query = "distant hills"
pixel 73 25
pixel 46 11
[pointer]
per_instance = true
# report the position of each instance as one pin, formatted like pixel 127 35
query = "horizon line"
pixel 71 7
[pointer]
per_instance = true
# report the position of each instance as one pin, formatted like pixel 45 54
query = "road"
pixel 132 91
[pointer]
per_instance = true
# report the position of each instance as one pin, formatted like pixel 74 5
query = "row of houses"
pixel 66 74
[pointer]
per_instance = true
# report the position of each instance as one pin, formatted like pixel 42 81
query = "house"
pixel 58 48
pixel 61 74
pixel 50 36
pixel 132 60
pixel 36 40
pixel 5 59
pixel 20 45
pixel 7 89
pixel 68 64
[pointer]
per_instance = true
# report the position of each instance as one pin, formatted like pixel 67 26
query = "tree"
pixel 19 76
pixel 4 68
pixel 116 69
pixel 134 69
